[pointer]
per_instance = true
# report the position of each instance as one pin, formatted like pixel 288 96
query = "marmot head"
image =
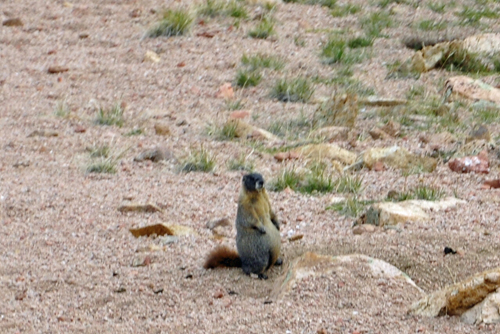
pixel 253 182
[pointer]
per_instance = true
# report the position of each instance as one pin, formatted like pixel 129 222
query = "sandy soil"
pixel 66 253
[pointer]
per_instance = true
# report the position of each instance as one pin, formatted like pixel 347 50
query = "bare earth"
pixel 66 254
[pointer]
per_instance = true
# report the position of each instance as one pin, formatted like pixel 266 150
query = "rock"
pixel 151 230
pixel 441 139
pixel 484 312
pixel 57 69
pixel 219 222
pixel 390 213
pixel 338 110
pixel 282 156
pixel 476 164
pixel 392 128
pixel 80 129
pixel 43 133
pixel 161 230
pixel 332 133
pixel 247 131
pixel 427 58
pixel 378 166
pixel 398 157
pixel 473 89
pixel 376 134
pixel 168 239
pixel 225 91
pixel 321 267
pixel 365 228
pixel 295 237
pixel 155 155
pixel 162 129
pixel 326 151
pixel 135 13
pixel 487 44
pixel 456 299
pixel 376 101
pixel 495 184
pixel 478 132
pixel 141 261
pixel 152 57
pixel 134 207
pixel 239 114
pixel 13 22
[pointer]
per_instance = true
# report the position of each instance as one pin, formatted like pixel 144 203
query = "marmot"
pixel 258 238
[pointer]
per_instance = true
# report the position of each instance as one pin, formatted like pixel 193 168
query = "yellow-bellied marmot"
pixel 257 232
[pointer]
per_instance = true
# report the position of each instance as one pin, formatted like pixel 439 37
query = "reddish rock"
pixel 476 164
pixel 225 91
pixel 282 156
pixel 492 184
pixel 378 166
pixel 80 129
pixel 57 69
pixel 239 114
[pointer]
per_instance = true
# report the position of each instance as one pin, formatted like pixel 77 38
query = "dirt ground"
pixel 67 258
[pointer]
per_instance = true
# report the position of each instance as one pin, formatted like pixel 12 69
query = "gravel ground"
pixel 67 256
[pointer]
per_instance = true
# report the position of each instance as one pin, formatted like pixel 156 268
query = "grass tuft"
pixel 292 90
pixel 260 61
pixel 174 22
pixel 263 29
pixel 289 178
pixel 375 23
pixel 349 184
pixel 348 9
pixel 472 16
pixel 112 116
pixel 247 78
pixel 351 207
pixel 62 109
pixel 241 164
pixel 198 161
pixel 107 166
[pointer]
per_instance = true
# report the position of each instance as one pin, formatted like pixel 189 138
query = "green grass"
pixel 259 61
pixel 437 7
pixel 385 3
pixel 101 151
pixel 345 10
pixel 134 132
pixel 462 61
pixel 292 90
pixel 375 23
pixel 351 207
pixel 428 193
pixel 360 42
pixel 398 70
pixel 212 8
pixel 247 78
pixel 62 109
pixel 241 164
pixel 226 132
pixel 325 3
pixel 112 116
pixel 428 25
pixel 289 178
pixel 349 184
pixel 198 161
pixel 102 165
pixel 175 22
pixel 263 29
pixel 472 15
pixel 234 104
pixel 488 115
pixel 422 192
pixel 338 51
pixel 318 180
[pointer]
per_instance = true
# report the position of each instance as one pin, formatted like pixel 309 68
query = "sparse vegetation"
pixel 259 61
pixel 360 42
pixel 337 50
pixel 198 161
pixel 488 114
pixel 463 61
pixel 420 192
pixel 348 9
pixel 101 151
pixel 102 165
pixel 325 3
pixel 214 8
pixel 428 25
pixel 472 15
pixel 263 29
pixel 234 104
pixel 62 109
pixel 288 178
pixel 242 163
pixel 175 22
pixel 292 90
pixel 134 132
pixel 375 23
pixel 247 78
pixel 438 7
pixel 112 116
pixel 225 132
pixel 349 184
pixel 351 207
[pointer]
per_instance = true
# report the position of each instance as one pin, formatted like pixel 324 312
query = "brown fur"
pixel 222 257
